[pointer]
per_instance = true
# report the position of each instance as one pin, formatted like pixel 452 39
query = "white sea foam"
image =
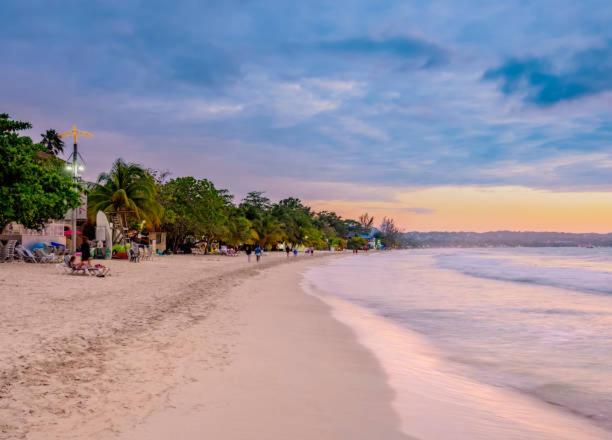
pixel 571 268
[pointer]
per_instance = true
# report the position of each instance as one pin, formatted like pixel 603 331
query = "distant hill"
pixel 504 239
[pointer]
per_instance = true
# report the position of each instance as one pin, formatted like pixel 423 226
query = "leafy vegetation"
pixel 193 211
pixel 52 142
pixel 128 192
pixel 34 185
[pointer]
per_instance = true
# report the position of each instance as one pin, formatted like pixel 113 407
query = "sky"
pixel 444 115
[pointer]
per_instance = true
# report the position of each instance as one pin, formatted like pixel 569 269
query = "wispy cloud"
pixel 424 53
pixel 420 211
pixel 348 100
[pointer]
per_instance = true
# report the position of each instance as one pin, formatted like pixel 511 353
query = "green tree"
pixel 314 237
pixel 194 208
pixel 239 230
pixel 127 191
pixel 357 243
pixel 295 218
pixel 255 205
pixel 52 142
pixel 34 188
pixel 331 224
pixel 338 243
pixel 269 231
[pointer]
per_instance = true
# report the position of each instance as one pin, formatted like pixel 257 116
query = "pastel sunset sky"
pixel 445 115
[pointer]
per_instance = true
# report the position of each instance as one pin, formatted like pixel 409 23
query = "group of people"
pixel 289 251
pixel 258 251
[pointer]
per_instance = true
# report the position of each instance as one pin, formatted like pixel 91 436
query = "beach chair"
pixel 44 257
pixel 148 253
pixel 70 269
pixel 25 254
pixel 8 251
pixel 99 270
pixel 134 254
pixel 82 269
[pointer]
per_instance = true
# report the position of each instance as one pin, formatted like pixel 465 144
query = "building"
pixel 52 232
pixel 57 231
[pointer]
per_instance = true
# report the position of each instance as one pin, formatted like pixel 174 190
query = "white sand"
pixel 181 347
pixel 193 347
pixel 295 374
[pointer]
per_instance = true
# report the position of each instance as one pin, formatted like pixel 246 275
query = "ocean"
pixel 503 343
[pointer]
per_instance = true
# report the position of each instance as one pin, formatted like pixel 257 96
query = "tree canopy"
pixel 195 208
pixel 34 186
pixel 52 141
pixel 128 191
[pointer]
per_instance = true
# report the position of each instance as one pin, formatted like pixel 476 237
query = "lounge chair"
pixel 148 253
pixel 8 251
pixel 44 257
pixel 99 270
pixel 72 269
pixel 83 269
pixel 134 254
pixel 25 254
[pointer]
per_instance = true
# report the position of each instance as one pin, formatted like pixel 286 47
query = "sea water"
pixel 504 343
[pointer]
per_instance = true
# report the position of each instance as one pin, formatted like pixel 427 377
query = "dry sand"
pixel 182 347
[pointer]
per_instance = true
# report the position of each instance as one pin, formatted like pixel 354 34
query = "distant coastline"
pixel 504 239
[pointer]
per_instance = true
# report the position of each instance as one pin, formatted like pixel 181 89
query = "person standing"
pixel 258 253
pixel 86 252
pixel 287 250
pixel 248 251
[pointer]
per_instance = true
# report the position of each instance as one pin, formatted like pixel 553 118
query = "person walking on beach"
pixel 295 252
pixel 248 251
pixel 287 250
pixel 258 253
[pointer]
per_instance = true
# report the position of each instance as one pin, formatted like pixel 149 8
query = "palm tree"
pixel 239 230
pixel 127 192
pixel 52 141
pixel 269 231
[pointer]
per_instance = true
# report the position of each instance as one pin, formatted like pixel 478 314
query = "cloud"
pixel 334 94
pixel 426 54
pixel 536 79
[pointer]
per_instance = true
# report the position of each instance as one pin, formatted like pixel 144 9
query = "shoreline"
pixel 94 358
pixel 429 384
pixel 197 347
pixel 295 372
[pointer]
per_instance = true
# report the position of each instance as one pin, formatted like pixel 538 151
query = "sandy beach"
pixel 182 347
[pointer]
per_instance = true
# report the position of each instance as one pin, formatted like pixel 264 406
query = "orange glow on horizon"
pixel 482 209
